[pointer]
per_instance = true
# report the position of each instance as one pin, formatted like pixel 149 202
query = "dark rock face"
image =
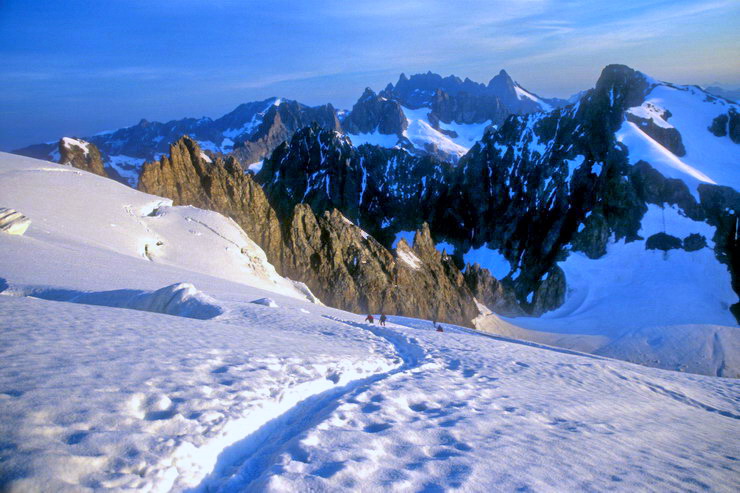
pixel 721 207
pixel 653 188
pixel 694 242
pixel 373 113
pixel 734 126
pixel 662 241
pixel 467 108
pixel 727 124
pixel 719 125
pixel 670 138
pixel 550 292
pixel 279 124
pixel 492 293
pixel 594 236
pixel 382 190
pixel 81 154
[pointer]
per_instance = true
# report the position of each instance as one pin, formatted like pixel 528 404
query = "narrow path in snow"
pixel 242 463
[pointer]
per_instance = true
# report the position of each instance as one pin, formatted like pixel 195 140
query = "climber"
pixel 383 318
pixel 369 318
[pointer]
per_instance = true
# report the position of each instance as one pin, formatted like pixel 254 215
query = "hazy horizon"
pixel 77 69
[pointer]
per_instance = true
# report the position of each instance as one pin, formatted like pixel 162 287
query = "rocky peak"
pixel 466 108
pixel 347 268
pixel 81 154
pixel 187 178
pixel 374 113
pixel 423 243
pixel 367 95
pixel 622 85
pixel 502 84
pixel 491 292
pixel 279 123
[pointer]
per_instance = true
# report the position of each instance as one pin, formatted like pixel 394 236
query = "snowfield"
pixel 708 159
pixel 133 365
pixel 424 137
pixel 668 310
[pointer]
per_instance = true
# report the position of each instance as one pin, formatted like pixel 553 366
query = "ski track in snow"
pixel 248 460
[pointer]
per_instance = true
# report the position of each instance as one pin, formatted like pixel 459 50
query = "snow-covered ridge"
pixel 127 224
pixel 708 159
pixel 69 143
pixel 523 94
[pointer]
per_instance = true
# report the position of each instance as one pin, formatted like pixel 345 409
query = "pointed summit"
pixel 502 83
pixel 368 95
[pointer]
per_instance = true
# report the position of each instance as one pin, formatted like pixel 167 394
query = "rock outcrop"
pixel 278 125
pixel 466 108
pixel 491 292
pixel 189 177
pixel 668 137
pixel 662 241
pixel 81 154
pixel 348 268
pixel 374 113
pixel 727 124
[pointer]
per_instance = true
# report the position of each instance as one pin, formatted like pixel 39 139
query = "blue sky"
pixel 79 67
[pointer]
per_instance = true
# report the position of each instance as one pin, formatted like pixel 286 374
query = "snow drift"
pixel 181 299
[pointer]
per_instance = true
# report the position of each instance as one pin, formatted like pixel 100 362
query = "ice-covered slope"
pixel 422 134
pixel 85 223
pixel 691 111
pixel 288 395
pixel 663 309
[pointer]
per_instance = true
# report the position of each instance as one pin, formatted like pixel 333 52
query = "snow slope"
pixel 524 95
pixel 85 223
pixel 423 136
pixel 708 159
pixel 289 395
pixel 668 310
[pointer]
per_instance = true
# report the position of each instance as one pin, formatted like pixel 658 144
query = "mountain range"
pixel 424 113
pixel 529 229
